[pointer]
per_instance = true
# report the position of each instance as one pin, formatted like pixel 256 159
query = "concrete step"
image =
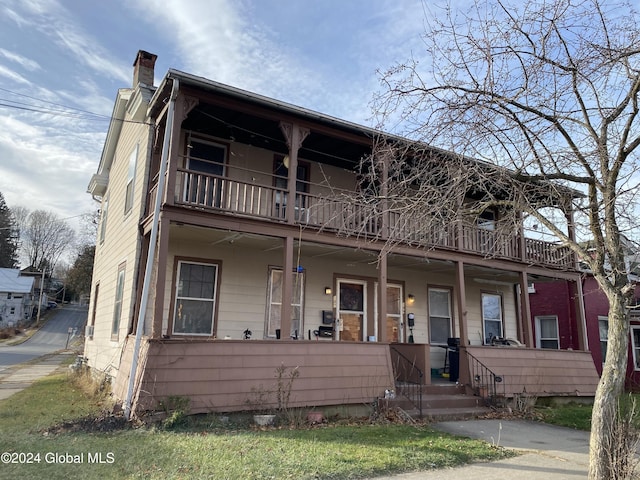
pixel 443 400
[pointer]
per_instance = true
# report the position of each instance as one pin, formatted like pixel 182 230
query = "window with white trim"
pixel 103 220
pixel 274 303
pixel 491 316
pixel 547 332
pixel 195 307
pixel 635 343
pixel 603 328
pixel 117 306
pixel 128 199
pixel 439 315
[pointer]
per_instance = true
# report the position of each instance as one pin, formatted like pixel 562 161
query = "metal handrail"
pixel 485 382
pixel 412 392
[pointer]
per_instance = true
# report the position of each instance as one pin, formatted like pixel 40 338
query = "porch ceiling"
pixel 352 258
pixel 238 126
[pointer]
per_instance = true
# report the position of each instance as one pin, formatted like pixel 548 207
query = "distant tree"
pixel 44 237
pixel 78 278
pixel 88 228
pixel 8 239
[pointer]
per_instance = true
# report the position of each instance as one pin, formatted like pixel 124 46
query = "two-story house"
pixel 228 248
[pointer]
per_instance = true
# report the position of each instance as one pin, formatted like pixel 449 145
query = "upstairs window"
pixel 103 219
pixel 131 173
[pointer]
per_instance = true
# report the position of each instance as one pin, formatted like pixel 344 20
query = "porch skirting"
pixel 230 375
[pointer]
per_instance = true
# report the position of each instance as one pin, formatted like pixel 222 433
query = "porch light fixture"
pixel 411 298
pixel 327 290
pixel 285 161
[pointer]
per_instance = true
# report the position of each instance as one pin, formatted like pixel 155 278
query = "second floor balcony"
pixel 323 208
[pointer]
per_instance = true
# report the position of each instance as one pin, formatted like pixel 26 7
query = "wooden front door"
pixel 352 316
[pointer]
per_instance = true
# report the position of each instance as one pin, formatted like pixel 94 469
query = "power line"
pixel 70 112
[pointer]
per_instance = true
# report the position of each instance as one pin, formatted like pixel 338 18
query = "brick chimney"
pixel 143 68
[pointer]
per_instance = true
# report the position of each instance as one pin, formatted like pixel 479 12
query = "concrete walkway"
pixel 19 377
pixel 549 452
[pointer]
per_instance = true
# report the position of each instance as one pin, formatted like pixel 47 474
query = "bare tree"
pixel 44 238
pixel 543 95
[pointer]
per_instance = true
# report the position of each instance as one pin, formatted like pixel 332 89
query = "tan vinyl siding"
pixel 121 245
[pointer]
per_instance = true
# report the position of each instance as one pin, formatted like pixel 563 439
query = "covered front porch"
pixel 232 375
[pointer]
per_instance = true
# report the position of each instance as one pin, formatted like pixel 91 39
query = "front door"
pixel 352 304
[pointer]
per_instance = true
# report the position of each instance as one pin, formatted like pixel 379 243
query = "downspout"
pixel 152 249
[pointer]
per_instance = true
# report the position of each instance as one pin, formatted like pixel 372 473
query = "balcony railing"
pixel 334 211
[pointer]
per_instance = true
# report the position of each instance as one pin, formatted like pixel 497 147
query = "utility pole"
pixel 40 300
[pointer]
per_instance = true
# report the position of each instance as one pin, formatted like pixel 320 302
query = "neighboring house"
pixel 16 297
pixel 220 315
pixel 554 316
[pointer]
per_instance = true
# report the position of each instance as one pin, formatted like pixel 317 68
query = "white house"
pixel 16 297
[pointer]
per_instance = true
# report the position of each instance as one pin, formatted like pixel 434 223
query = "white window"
pixel 133 160
pixel 195 298
pixel 491 316
pixel 274 303
pixel 547 332
pixel 117 306
pixel 439 315
pixel 603 327
pixel 635 342
pixel 103 220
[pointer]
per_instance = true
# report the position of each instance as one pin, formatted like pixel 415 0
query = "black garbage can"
pixel 453 351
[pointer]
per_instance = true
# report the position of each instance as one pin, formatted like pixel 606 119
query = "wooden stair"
pixel 440 401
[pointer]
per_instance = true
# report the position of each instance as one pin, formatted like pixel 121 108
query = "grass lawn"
pixel 578 416
pixel 206 448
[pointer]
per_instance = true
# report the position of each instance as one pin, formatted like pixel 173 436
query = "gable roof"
pixel 12 281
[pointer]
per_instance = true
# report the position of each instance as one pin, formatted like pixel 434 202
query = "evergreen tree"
pixel 8 237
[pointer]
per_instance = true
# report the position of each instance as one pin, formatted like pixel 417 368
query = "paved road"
pixel 50 338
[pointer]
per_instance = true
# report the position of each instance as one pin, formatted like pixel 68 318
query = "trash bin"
pixel 453 351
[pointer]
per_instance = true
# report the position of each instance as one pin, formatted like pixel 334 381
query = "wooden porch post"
pixel 184 105
pixel 461 300
pixel 295 135
pixel 162 253
pixel 382 298
pixel 525 309
pixel 583 338
pixel 287 288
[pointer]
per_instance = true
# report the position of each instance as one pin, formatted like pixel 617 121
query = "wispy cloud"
pixel 54 21
pixel 26 63
pixel 11 75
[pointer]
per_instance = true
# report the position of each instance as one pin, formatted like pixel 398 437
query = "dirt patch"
pixel 103 423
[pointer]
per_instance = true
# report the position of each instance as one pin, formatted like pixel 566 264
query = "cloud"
pixel 26 63
pixel 44 161
pixel 59 25
pixel 10 74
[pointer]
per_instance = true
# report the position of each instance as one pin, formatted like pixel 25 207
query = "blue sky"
pixel 70 56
